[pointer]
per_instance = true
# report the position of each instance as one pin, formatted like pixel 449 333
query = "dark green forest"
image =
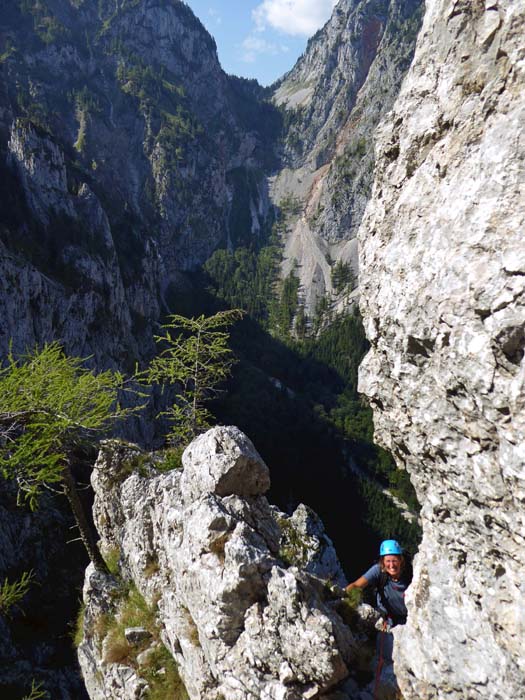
pixel 294 392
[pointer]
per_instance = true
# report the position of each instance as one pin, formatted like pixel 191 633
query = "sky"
pixel 261 38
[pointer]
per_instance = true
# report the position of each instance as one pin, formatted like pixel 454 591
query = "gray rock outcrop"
pixel 443 299
pixel 74 285
pixel 203 547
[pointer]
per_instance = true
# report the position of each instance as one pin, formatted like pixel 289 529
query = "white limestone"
pixel 240 621
pixel 442 285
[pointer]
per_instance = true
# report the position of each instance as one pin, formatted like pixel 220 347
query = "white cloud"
pixel 215 15
pixel 255 45
pixel 293 16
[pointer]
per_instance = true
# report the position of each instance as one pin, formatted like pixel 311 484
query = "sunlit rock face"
pixel 442 280
pixel 203 546
pixel 334 97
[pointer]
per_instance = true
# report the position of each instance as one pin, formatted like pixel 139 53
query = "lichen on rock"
pixel 238 621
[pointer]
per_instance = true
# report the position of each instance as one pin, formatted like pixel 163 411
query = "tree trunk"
pixel 196 388
pixel 86 532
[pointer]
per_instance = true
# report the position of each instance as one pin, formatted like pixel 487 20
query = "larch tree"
pixel 195 358
pixel 51 404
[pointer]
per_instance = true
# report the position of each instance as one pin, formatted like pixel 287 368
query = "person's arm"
pixel 361 582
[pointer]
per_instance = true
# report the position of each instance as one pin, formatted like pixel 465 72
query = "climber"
pixel 391 576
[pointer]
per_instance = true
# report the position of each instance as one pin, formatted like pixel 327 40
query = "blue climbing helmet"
pixel 390 547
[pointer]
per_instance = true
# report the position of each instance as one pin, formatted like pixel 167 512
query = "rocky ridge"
pixel 239 588
pixel 443 299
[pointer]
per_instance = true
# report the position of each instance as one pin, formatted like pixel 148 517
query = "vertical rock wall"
pixel 443 279
pixel 121 144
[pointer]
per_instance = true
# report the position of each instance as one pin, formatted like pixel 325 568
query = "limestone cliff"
pixel 443 298
pixel 127 101
pixel 127 156
pixel 333 99
pixel 237 589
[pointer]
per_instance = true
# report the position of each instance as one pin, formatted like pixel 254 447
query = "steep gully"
pixel 486 86
pixel 99 223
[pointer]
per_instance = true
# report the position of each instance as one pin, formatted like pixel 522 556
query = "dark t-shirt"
pixel 392 602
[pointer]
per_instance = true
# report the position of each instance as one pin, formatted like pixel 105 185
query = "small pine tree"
pixel 49 405
pixel 195 358
pixel 342 277
pixel 301 323
pixel 323 313
pixel 36 692
pixel 12 593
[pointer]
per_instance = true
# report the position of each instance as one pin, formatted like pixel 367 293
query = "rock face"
pixel 334 97
pixel 35 638
pixel 240 620
pixel 443 282
pixel 127 156
pixel 76 283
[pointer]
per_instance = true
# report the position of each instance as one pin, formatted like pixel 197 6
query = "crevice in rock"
pixel 420 346
pixel 511 342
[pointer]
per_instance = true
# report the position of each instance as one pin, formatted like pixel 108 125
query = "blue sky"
pixel 261 38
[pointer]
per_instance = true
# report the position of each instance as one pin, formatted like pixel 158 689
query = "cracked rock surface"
pixel 238 618
pixel 443 280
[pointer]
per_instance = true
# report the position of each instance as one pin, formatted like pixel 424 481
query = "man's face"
pixel 392 564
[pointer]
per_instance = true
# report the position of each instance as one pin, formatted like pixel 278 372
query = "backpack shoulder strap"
pixel 383 578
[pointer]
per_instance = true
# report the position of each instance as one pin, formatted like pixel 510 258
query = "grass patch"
pixel 118 650
pixel 101 627
pixel 78 632
pixel 347 606
pixel 159 669
pixel 112 559
pixel 133 612
pixel 293 550
pixel 162 675
pixel 139 463
pixel 171 459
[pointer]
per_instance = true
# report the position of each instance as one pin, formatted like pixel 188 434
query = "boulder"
pixel 223 461
pixel 204 549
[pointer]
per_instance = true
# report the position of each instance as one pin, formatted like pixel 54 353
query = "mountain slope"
pixel 128 156
pixel 333 99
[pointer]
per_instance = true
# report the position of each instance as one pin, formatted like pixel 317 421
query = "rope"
pixel 380 661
